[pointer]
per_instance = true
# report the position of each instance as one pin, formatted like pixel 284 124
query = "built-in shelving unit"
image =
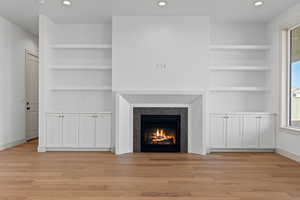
pixel 238 78
pixel 79 68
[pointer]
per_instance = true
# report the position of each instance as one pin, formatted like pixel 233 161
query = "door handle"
pixel 27 105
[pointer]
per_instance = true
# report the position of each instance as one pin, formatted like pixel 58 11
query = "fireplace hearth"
pixel 160 133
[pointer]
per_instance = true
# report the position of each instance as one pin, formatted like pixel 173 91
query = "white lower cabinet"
pixel 234 131
pixel 218 128
pixel 54 130
pixel 103 126
pixel 267 132
pixel 78 131
pixel 251 132
pixel 87 131
pixel 69 130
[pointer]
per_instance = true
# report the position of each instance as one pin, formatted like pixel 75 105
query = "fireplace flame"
pixel 160 137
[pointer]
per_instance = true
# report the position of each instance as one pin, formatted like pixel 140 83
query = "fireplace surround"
pixel 160 129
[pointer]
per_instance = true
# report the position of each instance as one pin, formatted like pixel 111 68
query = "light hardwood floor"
pixel 28 175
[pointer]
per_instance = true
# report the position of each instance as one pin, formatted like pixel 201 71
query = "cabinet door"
pixel 234 132
pixel 217 131
pixel 251 132
pixel 70 130
pixel 267 132
pixel 87 131
pixel 103 131
pixel 53 130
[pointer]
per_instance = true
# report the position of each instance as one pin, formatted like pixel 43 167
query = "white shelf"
pixel 240 68
pixel 81 113
pixel 81 46
pixel 82 68
pixel 83 89
pixel 242 113
pixel 238 89
pixel 239 47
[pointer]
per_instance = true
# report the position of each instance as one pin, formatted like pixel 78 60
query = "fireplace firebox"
pixel 160 133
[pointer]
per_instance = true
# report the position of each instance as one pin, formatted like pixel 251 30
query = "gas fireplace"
pixel 160 133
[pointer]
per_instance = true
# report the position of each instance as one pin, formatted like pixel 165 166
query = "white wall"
pixel 13 42
pixel 142 42
pixel 288 141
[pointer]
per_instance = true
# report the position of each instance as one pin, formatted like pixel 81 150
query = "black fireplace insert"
pixel 160 133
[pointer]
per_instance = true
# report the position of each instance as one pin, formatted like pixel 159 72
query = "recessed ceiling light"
pixel 162 3
pixel 66 2
pixel 258 3
pixel 42 2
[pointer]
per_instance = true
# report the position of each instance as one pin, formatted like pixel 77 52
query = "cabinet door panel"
pixel 267 132
pixel 234 139
pixel 87 131
pixel 103 131
pixel 251 132
pixel 217 132
pixel 53 131
pixel 70 131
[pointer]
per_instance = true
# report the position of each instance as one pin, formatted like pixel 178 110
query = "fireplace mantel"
pixel 194 101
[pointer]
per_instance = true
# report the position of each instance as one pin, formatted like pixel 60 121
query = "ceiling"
pixel 25 12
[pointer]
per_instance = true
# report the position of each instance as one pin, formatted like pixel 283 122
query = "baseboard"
pixel 12 144
pixel 113 150
pixel 289 155
pixel 31 138
pixel 75 149
pixel 241 150
pixel 41 149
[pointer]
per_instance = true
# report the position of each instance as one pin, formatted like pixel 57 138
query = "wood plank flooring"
pixel 28 175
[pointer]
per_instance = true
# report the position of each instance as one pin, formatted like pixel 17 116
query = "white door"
pixel 234 132
pixel 217 131
pixel 103 131
pixel 70 130
pixel 251 132
pixel 54 130
pixel 87 131
pixel 32 95
pixel 267 132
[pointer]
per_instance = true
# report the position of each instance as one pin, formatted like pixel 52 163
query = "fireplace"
pixel 160 133
pixel 160 129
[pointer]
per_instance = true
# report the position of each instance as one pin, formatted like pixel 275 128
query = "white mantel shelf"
pixel 162 92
